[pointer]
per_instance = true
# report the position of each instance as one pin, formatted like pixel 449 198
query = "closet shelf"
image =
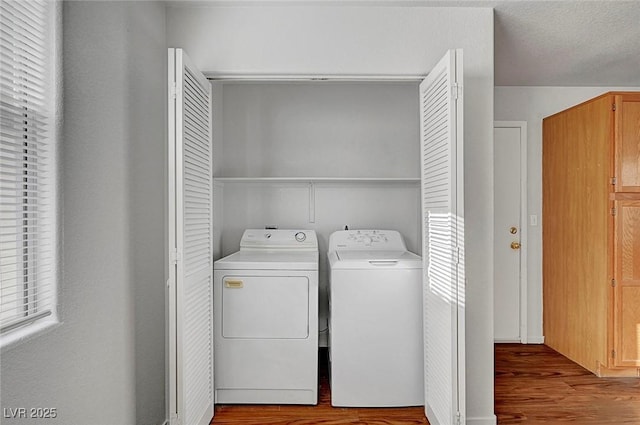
pixel 400 180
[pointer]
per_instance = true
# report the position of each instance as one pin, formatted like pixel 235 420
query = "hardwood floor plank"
pixel 322 414
pixel 536 385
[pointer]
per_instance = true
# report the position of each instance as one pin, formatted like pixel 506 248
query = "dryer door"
pixel 265 307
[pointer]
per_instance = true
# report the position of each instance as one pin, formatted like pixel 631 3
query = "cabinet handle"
pixel 233 283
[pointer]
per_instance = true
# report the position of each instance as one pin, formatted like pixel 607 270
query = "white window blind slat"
pixel 20 271
pixel 27 212
pixel 22 46
pixel 34 12
pixel 28 301
pixel 25 93
pixel 12 118
pixel 34 9
pixel 28 23
pixel 25 78
pixel 23 70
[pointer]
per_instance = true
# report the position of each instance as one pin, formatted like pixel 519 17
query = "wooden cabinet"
pixel 626 273
pixel 627 136
pixel 591 233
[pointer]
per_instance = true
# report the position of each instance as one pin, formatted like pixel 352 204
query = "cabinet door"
pixel 627 142
pixel 627 290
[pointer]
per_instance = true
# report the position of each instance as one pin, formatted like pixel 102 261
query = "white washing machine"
pixel 375 320
pixel 266 319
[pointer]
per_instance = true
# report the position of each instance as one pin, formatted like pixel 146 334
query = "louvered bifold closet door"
pixel 192 242
pixel 443 241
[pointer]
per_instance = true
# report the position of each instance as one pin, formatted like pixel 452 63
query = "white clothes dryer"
pixel 375 320
pixel 266 319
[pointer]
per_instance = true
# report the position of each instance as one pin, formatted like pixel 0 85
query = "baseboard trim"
pixel 535 340
pixel 617 372
pixel 507 340
pixel 489 420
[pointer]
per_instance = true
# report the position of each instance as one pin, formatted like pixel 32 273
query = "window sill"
pixel 26 333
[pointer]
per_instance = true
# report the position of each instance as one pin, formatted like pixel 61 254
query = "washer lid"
pixel 372 259
pixel 367 240
pixel 269 260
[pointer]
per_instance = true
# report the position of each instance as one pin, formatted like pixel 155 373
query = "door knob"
pixel 515 245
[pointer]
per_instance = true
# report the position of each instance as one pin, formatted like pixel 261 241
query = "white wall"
pixel 147 96
pixel 377 40
pixel 105 363
pixel 532 104
pixel 330 129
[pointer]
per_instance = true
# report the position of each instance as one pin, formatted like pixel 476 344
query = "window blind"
pixel 27 155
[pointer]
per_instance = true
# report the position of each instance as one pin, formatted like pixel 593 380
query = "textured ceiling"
pixel 569 43
pixel 539 43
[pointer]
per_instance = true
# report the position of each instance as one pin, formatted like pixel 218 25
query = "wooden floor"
pixel 322 414
pixel 534 385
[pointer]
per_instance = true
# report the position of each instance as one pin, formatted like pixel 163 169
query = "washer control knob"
pixel 300 236
pixel 367 240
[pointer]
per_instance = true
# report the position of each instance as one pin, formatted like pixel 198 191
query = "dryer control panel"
pixel 276 239
pixel 387 240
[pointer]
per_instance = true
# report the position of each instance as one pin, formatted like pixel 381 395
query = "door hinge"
pixel 458 418
pixel 174 256
pixel 613 354
pixel 173 90
pixel 456 90
pixel 456 255
pixel 614 181
pixel 614 211
pixel 613 107
pixel 613 283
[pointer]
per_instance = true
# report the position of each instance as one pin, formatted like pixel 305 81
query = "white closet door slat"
pixel 443 240
pixel 191 237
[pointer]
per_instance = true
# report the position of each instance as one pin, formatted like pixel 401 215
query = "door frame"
pixel 524 223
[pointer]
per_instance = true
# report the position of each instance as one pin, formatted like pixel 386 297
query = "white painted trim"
pixel 489 420
pixel 524 223
pixel 171 205
pixel 535 340
pixel 313 180
pixel 28 332
pixel 510 340
pixel 301 3
pixel 240 77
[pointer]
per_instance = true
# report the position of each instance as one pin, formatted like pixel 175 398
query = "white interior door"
pixel 190 244
pixel 441 132
pixel 509 232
